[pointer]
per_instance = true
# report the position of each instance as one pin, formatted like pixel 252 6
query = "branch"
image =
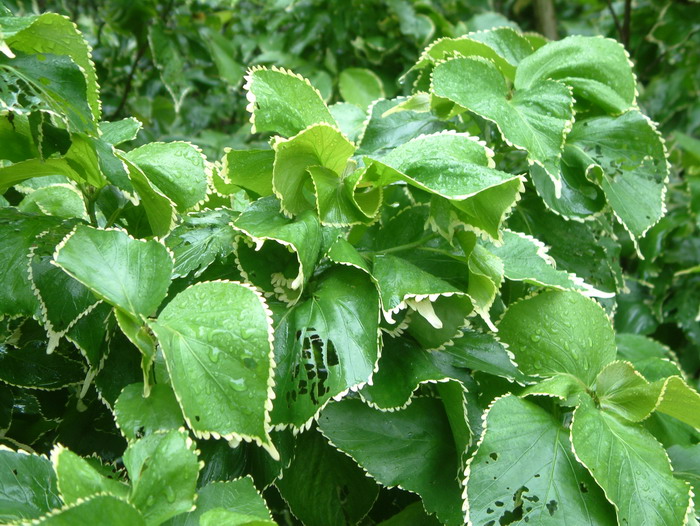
pixel 129 80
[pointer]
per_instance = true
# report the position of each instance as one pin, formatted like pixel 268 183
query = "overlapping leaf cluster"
pixel 368 303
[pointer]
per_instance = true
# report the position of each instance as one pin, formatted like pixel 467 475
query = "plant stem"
pixel 129 79
pixel 546 18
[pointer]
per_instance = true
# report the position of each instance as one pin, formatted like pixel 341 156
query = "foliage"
pixel 427 306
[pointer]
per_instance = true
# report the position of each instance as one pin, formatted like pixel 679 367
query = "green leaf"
pixel 163 470
pixel 277 254
pixel 160 209
pixel 117 132
pixel 526 259
pixel 327 345
pixel 217 342
pixel 78 480
pixel 387 129
pixel 483 352
pixel 598 69
pixel 563 386
pixel 175 168
pixel 249 169
pixel 28 365
pixel 406 448
pixel 504 46
pixel 131 274
pixel 412 515
pixel 137 416
pixel 350 119
pixel 627 158
pixel 339 199
pixel 654 360
pixel 323 487
pixel 17 234
pixel 403 366
pixel 19 172
pixel 559 332
pixel 535 119
pixel 680 401
pixel 222 52
pixel 89 331
pixel 631 467
pixel 623 391
pixel 318 145
pixel 27 486
pixel 168 59
pixel 524 467
pixel 283 102
pixel 102 509
pixel 236 496
pixel 56 34
pixel 360 86
pixel 59 200
pixel 59 83
pixel 201 238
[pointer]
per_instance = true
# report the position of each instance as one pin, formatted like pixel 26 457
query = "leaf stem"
pixel 407 246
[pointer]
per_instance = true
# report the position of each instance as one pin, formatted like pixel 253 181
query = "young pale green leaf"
pixel 626 156
pixel 27 486
pixel 339 201
pixel 163 470
pixel 318 145
pixel 137 416
pixel 323 487
pixel 360 86
pixel 201 238
pixel 59 83
pixel 128 273
pixel 535 119
pixel 59 200
pixel 623 391
pixel 327 345
pixel 504 46
pixel 101 509
pixel 565 387
pixel 680 401
pixel 250 170
pixel 525 259
pixel 350 119
pixel 631 467
pixel 277 254
pixel 403 366
pixel 56 34
pixel 138 334
pixel 235 496
pixel 406 448
pixel 168 59
pixel 175 168
pixel 78 480
pixel 217 342
pixel 524 466
pixel 386 130
pixel 21 171
pixel 283 102
pixel 598 69
pixel 559 332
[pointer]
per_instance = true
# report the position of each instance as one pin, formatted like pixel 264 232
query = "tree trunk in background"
pixel 546 18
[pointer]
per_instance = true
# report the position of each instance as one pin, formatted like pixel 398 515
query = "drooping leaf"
pixel 117 132
pixel 59 200
pixel 525 467
pixel 526 259
pixel 323 487
pixel 340 201
pixel 535 119
pixel 284 103
pixel 137 416
pixel 631 467
pixel 326 346
pixel 163 469
pixel 598 69
pixel 277 254
pixel 217 342
pixel 175 168
pixel 101 509
pixel 405 448
pixel 27 486
pixel 548 335
pixel 168 59
pixel 626 156
pixel 130 274
pixel 78 480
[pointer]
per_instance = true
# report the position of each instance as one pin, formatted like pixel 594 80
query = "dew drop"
pixel 214 353
pixel 169 494
pixel 238 384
